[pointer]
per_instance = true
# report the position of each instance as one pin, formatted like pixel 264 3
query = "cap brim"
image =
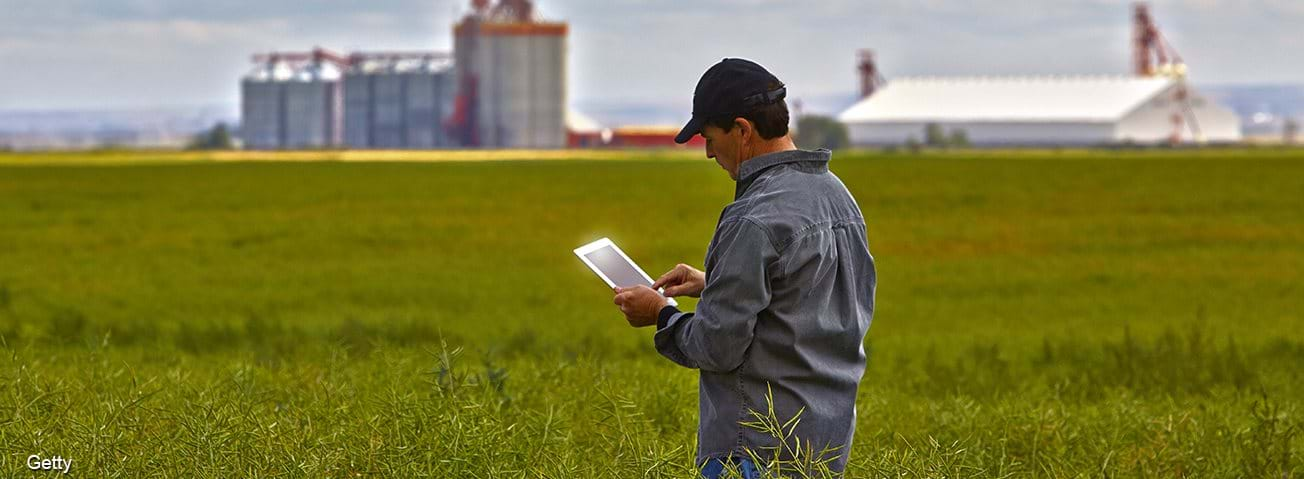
pixel 693 127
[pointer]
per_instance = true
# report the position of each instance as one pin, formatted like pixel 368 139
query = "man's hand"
pixel 640 304
pixel 683 280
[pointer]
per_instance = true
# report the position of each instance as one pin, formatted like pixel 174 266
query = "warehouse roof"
pixel 1033 99
pixel 581 123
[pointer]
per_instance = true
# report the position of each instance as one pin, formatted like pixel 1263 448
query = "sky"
pixel 109 54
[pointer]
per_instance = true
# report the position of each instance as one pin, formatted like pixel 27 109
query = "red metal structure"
pixel 462 123
pixel 650 137
pixel 632 137
pixel 316 55
pixel 1151 54
pixel 322 55
pixel 870 79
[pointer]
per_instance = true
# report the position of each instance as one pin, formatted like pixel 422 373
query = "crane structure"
pixel 1153 55
pixel 870 78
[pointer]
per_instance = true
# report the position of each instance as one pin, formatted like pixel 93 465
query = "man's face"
pixel 724 148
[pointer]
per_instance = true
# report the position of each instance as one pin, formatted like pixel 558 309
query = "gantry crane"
pixel 1152 55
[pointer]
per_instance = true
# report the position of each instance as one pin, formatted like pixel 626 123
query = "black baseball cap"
pixel 731 87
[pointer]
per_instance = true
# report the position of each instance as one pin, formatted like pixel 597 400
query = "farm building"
pixel 1041 110
pixel 1153 105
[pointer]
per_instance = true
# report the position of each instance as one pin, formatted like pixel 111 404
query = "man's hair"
pixel 771 120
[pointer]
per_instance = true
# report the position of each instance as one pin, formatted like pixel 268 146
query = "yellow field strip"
pixel 165 156
pixel 117 157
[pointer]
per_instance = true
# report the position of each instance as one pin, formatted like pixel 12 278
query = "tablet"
pixel 610 263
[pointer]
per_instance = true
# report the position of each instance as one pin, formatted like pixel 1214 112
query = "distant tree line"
pixel 216 138
pixel 815 131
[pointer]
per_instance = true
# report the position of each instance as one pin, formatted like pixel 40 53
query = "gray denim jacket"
pixel 789 296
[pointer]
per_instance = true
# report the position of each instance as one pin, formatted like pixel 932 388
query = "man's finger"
pixel 675 274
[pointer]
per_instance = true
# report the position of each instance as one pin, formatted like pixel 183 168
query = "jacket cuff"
pixel 664 316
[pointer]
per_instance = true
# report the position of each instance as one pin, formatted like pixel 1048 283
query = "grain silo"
pixel 397 100
pixel 262 105
pixel 387 109
pixel 511 78
pixel 357 104
pixel 312 107
pixel 292 100
pixel 428 88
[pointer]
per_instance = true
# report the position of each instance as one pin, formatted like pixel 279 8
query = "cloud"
pixel 168 51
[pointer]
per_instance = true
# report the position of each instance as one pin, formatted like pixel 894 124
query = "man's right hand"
pixel 683 280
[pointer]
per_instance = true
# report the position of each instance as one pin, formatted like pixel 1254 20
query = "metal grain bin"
pixel 519 72
pixel 388 105
pixel 262 106
pixel 429 88
pixel 313 107
pixel 357 107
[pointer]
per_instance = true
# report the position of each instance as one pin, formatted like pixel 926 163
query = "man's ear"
pixel 745 128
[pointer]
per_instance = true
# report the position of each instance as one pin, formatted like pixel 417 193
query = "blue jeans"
pixel 714 468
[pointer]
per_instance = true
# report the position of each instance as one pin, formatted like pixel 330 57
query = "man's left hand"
pixel 640 304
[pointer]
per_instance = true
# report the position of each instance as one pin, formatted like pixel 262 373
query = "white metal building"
pixel 1084 110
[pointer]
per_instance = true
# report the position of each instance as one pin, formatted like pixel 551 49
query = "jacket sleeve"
pixel 716 336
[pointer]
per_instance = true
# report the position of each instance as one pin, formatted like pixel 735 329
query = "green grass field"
pixel 1040 314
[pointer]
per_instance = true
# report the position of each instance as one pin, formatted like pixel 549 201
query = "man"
pixel 788 291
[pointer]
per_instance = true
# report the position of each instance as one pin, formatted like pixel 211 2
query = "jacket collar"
pixel 751 169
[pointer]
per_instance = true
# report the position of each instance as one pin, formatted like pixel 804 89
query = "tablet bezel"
pixel 605 242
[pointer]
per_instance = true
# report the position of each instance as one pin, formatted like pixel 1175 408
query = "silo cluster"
pixel 288 106
pixel 292 101
pixel 397 104
pixel 504 86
